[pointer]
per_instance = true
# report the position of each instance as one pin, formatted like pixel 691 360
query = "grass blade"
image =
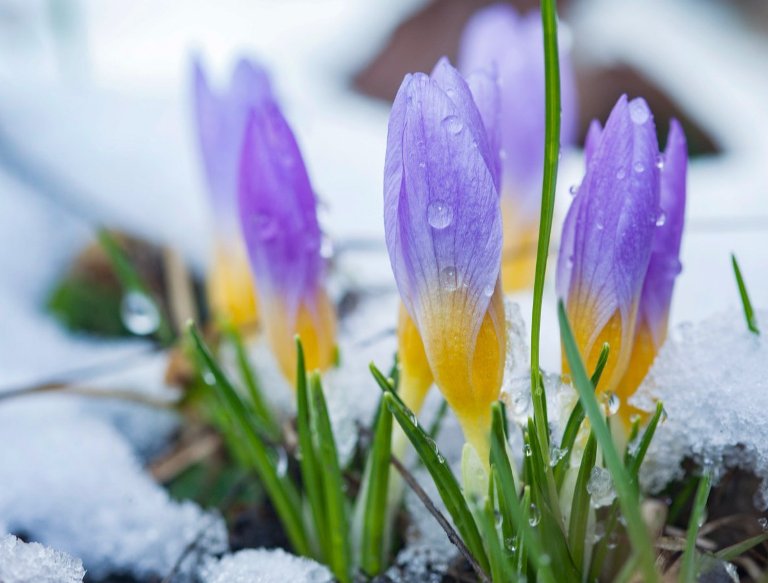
pixel 625 488
pixel 636 458
pixel 688 561
pixel 501 569
pixel 734 551
pixel 749 313
pixel 251 383
pixel 575 419
pixel 549 182
pixel 333 486
pixel 433 461
pixel 281 491
pixel 308 463
pixel 577 528
pixel 373 545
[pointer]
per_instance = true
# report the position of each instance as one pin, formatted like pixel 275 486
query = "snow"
pixel 711 378
pixel 22 562
pixel 264 566
pixel 72 482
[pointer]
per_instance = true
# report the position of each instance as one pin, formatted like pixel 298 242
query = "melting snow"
pixel 72 482
pixel 264 566
pixel 22 562
pixel 712 381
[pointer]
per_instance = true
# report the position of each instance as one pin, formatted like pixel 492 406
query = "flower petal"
pixel 278 211
pixel 664 264
pixel 497 36
pixel 442 221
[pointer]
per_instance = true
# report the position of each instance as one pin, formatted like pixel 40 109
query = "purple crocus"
pixel 278 214
pixel 221 118
pixel 444 236
pixel 510 47
pixel 608 235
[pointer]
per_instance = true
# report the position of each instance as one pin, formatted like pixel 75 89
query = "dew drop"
pixel 281 467
pixel 613 402
pixel 527 450
pixel 488 290
pixel 266 227
pixel 439 214
pixel 453 124
pixel 639 167
pixel 621 174
pixel 556 454
pixel 449 279
pixel 661 219
pixel 422 165
pixel 660 162
pixel 535 516
pixel 638 111
pixel 573 189
pixel 139 313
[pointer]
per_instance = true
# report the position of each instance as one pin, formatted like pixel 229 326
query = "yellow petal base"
pixel 316 326
pixel 230 287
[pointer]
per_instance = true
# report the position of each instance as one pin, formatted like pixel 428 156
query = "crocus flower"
pixel 664 266
pixel 608 237
pixel 511 47
pixel 221 121
pixel 443 232
pixel 278 213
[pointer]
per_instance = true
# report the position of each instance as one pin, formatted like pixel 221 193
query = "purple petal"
pixel 612 221
pixel 664 264
pixel 278 211
pixel 594 134
pixel 459 92
pixel 442 218
pixel 221 119
pixel 497 36
pixel 485 92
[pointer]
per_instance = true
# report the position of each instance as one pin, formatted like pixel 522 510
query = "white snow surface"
pixel 22 562
pixel 264 566
pixel 712 380
pixel 72 482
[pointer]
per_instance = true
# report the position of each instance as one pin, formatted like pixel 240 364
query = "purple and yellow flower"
pixel 444 236
pixel 278 214
pixel 221 119
pixel 620 245
pixel 510 47
pixel 664 266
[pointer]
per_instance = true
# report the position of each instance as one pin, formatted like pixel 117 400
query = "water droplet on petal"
pixel 638 111
pixel 453 124
pixel 639 167
pixel 660 162
pixel 661 219
pixel 449 278
pixel 139 313
pixel 439 214
pixel 266 226
pixel 621 174
pixel 488 290
pixel 573 189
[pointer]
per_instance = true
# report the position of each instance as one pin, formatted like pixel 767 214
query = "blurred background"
pixel 96 129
